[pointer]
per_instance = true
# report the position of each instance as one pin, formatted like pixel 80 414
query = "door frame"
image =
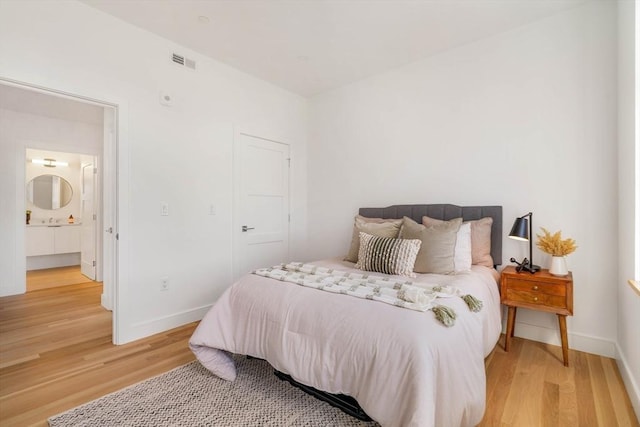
pixel 237 175
pixel 115 161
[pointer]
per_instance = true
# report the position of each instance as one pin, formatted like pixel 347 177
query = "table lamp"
pixel 521 230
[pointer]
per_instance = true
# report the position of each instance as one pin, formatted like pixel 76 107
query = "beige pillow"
pixel 438 245
pixel 374 226
pixel 480 239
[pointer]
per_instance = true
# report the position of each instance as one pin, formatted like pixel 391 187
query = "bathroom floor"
pixel 54 277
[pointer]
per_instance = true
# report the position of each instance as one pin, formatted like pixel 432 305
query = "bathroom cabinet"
pixel 52 239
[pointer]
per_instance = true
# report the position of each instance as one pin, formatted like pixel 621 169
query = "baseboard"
pixel 629 382
pixel 580 342
pixel 52 261
pixel 150 327
pixel 105 302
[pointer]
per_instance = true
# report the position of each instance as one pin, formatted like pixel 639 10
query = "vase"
pixel 558 266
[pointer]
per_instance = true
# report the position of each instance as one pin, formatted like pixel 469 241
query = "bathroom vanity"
pixel 52 239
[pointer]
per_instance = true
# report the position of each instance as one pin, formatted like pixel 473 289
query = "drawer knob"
pixel 535 298
pixel 535 288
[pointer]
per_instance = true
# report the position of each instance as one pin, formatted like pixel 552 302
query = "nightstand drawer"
pixel 545 288
pixel 537 298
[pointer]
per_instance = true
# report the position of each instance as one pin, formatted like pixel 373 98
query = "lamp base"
pixel 526 265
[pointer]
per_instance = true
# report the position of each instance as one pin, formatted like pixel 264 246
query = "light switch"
pixel 212 209
pixel 164 209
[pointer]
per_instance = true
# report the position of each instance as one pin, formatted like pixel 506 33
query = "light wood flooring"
pixel 55 277
pixel 56 353
pixel 530 386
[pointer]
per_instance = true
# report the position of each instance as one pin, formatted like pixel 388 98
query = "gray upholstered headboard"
pixel 446 212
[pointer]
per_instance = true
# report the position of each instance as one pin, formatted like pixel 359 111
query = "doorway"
pixel 62 201
pixel 52 107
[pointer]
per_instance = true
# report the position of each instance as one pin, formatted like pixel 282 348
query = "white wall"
pixel 524 119
pixel 179 154
pixel 628 301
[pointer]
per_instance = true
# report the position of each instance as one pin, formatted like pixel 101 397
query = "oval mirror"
pixel 49 192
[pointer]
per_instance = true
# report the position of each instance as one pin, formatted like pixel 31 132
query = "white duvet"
pixel 404 367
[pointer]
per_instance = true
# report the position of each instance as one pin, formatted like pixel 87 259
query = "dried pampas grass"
pixel 554 245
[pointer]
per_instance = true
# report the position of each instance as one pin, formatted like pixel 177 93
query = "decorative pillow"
pixel 462 253
pixel 480 239
pixel 387 255
pixel 374 226
pixel 462 259
pixel 438 245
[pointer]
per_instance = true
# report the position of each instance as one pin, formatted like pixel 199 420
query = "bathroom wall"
pixel 70 173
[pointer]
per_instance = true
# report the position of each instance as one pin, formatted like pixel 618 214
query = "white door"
pixel 262 198
pixel 88 217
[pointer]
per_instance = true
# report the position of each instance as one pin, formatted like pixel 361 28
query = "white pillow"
pixel 462 253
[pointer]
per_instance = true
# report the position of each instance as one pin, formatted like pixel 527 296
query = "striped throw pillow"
pixel 387 255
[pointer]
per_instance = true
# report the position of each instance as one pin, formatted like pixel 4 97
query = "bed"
pixel 404 367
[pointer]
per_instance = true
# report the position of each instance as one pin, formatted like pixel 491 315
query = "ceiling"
pixel 311 46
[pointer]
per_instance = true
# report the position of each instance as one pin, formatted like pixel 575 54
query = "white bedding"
pixel 404 367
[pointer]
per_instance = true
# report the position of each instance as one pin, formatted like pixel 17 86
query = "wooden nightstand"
pixel 541 291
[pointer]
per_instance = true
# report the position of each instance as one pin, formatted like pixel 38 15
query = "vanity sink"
pixel 53 224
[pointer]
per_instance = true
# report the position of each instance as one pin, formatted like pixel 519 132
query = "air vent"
pixel 190 63
pixel 181 60
pixel 178 59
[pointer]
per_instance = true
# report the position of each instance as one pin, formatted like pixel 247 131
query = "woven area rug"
pixel 192 396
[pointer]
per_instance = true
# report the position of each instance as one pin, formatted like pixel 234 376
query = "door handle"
pixel 245 228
